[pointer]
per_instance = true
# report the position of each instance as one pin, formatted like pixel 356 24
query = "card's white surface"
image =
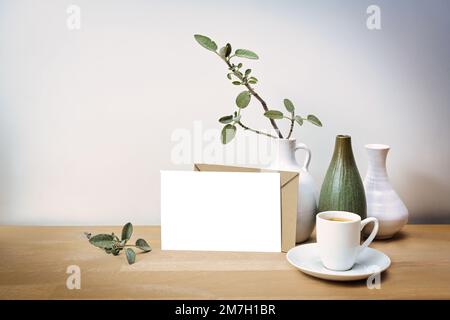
pixel 220 211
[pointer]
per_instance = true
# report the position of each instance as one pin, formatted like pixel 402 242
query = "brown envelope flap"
pixel 285 176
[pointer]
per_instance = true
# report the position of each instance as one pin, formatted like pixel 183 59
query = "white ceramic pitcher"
pixel 284 159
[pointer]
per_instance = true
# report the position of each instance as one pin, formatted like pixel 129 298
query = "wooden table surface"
pixel 34 261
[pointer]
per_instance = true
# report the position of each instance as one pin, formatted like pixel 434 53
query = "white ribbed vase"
pixel 383 202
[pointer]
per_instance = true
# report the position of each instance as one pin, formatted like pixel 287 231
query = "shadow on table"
pixel 401 235
pixel 349 284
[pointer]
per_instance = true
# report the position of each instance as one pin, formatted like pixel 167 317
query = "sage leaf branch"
pixel 111 244
pixel 244 77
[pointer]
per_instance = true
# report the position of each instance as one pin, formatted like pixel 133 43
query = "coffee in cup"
pixel 339 219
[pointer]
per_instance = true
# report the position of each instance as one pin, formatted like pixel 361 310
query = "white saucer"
pixel 306 258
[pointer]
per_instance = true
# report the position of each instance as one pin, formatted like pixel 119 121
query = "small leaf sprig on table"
pixel 239 77
pixel 111 243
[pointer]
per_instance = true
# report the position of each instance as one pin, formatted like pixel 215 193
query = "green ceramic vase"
pixel 342 189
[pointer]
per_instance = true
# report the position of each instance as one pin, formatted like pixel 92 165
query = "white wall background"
pixel 86 117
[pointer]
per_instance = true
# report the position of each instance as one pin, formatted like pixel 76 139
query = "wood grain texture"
pixel 34 261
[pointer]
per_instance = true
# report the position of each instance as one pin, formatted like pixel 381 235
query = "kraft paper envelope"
pixel 220 211
pixel 289 182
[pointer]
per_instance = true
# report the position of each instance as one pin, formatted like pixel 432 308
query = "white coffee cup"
pixel 339 241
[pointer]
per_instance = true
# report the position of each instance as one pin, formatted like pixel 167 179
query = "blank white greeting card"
pixel 220 211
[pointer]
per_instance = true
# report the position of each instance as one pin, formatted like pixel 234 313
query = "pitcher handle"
pixel 303 146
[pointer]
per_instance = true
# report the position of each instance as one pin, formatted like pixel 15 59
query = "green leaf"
pixel 236 83
pixel 247 72
pixel 206 42
pixel 229 76
pixel 274 114
pixel 228 133
pixel 239 65
pixel 314 120
pixel 143 245
pixel 243 99
pixel 252 80
pixel 104 241
pixel 127 231
pixel 299 120
pixel 131 255
pixel 225 51
pixel 226 119
pixel 289 105
pixel 244 53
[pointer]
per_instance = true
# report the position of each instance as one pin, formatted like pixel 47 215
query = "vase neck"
pixel 377 154
pixel 284 154
pixel 343 149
